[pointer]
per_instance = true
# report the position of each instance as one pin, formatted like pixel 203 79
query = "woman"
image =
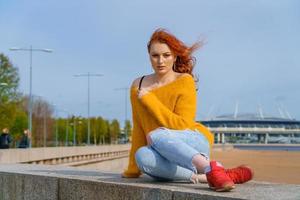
pixel 167 144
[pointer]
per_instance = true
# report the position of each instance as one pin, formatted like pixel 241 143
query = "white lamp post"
pixel 30 88
pixel 126 92
pixel 88 75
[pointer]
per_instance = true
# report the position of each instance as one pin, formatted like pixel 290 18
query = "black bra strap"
pixel 140 84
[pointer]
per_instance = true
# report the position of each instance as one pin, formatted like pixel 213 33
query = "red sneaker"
pixel 240 174
pixel 217 179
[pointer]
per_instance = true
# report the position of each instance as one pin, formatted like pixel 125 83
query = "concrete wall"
pixel 39 182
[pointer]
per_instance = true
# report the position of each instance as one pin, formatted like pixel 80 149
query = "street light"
pixel 56 113
pixel 30 76
pixel 56 125
pixel 74 128
pixel 126 92
pixel 67 126
pixel 88 75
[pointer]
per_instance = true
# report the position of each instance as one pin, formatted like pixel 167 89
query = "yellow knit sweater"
pixel 172 106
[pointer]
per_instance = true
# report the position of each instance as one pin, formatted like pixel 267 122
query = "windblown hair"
pixel 185 62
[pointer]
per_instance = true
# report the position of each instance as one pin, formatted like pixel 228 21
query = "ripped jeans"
pixel 169 157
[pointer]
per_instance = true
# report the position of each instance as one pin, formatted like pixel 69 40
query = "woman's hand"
pixel 144 90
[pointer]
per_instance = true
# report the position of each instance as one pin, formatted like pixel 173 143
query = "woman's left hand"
pixel 143 91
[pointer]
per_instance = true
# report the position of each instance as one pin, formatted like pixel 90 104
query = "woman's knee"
pixel 144 157
pixel 156 135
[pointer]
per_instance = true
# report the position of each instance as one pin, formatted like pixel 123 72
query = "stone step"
pixel 38 182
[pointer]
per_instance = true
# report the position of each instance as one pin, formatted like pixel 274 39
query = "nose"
pixel 160 59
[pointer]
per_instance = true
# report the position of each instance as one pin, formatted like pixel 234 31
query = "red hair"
pixel 185 62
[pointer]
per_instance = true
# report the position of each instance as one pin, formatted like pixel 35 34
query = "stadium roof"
pixel 249 117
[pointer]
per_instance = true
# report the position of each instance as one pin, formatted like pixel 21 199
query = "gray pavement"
pixel 40 182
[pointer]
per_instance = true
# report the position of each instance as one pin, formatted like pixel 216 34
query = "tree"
pixel 114 130
pixel 42 123
pixel 127 129
pixel 103 130
pixel 94 129
pixel 19 125
pixel 9 80
pixel 81 130
pixel 9 96
pixel 60 123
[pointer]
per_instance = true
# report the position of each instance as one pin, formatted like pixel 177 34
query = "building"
pixel 251 128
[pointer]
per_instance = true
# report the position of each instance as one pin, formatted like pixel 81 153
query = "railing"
pixel 61 155
pixel 77 160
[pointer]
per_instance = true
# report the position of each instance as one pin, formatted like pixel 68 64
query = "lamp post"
pixel 56 124
pixel 74 129
pixel 57 110
pixel 67 126
pixel 125 89
pixel 30 85
pixel 88 75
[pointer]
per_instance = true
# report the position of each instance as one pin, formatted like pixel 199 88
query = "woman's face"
pixel 161 57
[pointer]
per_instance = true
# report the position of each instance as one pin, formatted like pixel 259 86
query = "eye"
pixel 154 55
pixel 167 55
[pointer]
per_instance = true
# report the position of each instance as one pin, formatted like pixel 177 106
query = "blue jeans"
pixel 170 155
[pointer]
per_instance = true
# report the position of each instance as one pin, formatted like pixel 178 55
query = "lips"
pixel 160 67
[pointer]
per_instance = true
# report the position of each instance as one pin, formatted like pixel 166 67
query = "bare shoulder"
pixel 136 82
pixel 146 81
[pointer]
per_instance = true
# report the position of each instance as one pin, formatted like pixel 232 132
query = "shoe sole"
pixel 225 188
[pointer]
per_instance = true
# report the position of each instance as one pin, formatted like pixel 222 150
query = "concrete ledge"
pixel 38 182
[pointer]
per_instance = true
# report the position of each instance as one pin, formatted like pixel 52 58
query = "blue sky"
pixel 251 52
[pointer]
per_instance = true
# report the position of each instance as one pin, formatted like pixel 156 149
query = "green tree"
pixel 61 127
pixel 103 130
pixel 19 125
pixel 127 129
pixel 81 130
pixel 114 130
pixel 94 130
pixel 107 138
pixel 9 80
pixel 9 96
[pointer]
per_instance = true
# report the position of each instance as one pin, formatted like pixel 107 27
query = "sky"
pixel 250 56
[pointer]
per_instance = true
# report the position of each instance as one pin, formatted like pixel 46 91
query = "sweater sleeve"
pixel 185 109
pixel 138 140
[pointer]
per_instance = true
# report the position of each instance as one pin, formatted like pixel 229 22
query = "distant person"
pixel 167 143
pixel 5 139
pixel 24 142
